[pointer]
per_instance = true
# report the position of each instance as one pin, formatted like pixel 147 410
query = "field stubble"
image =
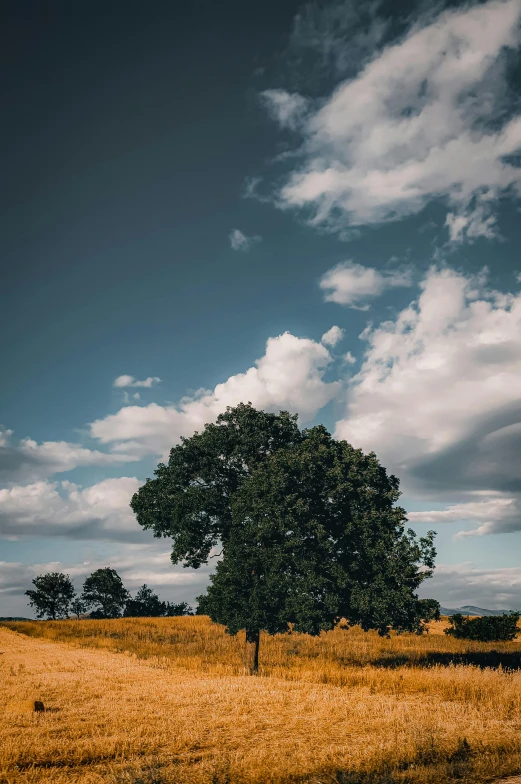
pixel 177 706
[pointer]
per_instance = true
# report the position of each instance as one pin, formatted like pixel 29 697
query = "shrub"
pixel 493 628
pixel 172 610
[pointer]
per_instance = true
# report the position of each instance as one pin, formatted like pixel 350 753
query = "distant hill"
pixel 469 609
pixel 9 618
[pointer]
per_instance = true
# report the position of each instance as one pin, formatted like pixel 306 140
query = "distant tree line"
pixel 103 596
pixel 488 628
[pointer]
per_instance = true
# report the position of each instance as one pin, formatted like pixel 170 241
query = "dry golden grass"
pixel 347 707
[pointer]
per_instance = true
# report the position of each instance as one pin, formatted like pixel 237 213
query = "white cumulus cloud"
pixel 98 512
pixel 288 376
pixel 352 284
pixel 332 336
pixel 437 397
pixel 28 461
pixel 424 119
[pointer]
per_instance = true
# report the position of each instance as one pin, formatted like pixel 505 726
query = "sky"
pixel 312 207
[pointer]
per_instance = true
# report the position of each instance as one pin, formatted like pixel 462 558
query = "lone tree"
pixel 308 527
pixel 104 590
pixel 317 538
pixel 146 604
pixel 52 596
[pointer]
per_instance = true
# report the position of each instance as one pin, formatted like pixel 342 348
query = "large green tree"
pixel 104 591
pixel 52 595
pixel 317 537
pixel 309 528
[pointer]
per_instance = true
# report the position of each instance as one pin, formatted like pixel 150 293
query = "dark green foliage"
pixel 105 591
pixel 308 526
pixel 493 628
pixel 202 605
pixel 146 604
pixel 316 537
pixel 53 595
pixel 190 498
pixel 173 610
pixel 99 615
pixel 430 609
pixel 77 607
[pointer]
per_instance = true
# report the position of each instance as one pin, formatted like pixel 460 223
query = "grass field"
pixel 147 701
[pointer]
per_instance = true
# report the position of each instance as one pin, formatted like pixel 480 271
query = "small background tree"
pixel 104 591
pixel 146 604
pixel 173 610
pixel 77 607
pixel 494 628
pixel 52 596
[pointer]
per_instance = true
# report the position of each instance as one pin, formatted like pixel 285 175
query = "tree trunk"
pixel 252 650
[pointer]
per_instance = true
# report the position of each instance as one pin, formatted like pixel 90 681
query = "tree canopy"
pixel 104 591
pixel 492 628
pixel 309 528
pixel 77 607
pixel 52 596
pixel 175 609
pixel 190 498
pixel 146 604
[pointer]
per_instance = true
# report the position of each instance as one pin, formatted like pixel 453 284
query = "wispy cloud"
pixel 64 509
pixel 472 223
pixel 352 284
pixel 426 119
pixel 288 109
pixel 499 514
pixel 29 461
pixel 332 336
pixel 337 37
pixel 242 242
pixel 456 585
pixel 129 381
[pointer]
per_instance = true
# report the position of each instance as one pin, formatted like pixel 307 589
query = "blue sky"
pixel 311 207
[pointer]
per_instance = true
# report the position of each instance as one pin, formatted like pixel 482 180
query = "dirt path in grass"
pixel 112 718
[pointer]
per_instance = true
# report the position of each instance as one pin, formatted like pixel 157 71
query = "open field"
pixel 166 700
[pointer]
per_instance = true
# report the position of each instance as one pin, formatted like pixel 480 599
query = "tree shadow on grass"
pixel 485 659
